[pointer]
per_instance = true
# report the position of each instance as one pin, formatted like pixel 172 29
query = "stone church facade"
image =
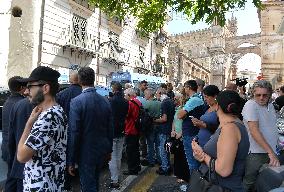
pixel 217 49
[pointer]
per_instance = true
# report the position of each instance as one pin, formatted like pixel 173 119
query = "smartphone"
pixel 190 116
pixel 196 139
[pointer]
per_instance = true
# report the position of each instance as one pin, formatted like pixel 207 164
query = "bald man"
pixel 63 98
pixel 73 78
pixel 232 87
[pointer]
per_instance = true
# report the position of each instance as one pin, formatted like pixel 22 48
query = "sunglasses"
pixel 36 85
pixel 263 95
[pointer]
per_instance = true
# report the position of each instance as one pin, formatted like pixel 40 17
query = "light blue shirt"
pixel 142 100
pixel 193 102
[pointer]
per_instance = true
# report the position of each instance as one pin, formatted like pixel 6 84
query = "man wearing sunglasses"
pixel 259 117
pixel 42 146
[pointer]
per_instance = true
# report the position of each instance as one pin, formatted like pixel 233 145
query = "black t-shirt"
pixel 168 108
pixel 280 101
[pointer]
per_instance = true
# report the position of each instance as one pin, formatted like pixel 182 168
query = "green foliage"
pixel 152 14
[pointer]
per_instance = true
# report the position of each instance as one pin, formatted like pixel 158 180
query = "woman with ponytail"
pixel 228 147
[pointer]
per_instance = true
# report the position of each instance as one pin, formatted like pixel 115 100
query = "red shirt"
pixel 132 115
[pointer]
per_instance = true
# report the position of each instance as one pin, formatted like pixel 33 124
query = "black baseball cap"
pixel 42 73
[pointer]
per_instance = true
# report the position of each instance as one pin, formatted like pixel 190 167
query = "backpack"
pixel 144 122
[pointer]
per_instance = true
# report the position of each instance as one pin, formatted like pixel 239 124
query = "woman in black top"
pixel 228 146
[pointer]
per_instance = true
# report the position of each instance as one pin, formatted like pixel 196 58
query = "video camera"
pixel 240 82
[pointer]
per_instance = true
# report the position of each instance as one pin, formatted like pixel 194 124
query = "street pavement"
pixel 149 181
pixel 146 181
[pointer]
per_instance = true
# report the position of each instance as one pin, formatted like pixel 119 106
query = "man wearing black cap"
pixel 42 146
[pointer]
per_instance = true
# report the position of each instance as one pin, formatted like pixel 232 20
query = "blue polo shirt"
pixel 194 107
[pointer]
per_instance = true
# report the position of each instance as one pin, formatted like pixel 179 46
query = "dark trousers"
pixel 13 185
pixel 89 176
pixel 181 170
pixel 254 162
pixel 132 152
pixel 143 146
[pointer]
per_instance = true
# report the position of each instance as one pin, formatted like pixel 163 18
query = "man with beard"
pixel 91 132
pixel 42 146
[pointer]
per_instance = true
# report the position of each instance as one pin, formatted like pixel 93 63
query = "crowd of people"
pixel 48 136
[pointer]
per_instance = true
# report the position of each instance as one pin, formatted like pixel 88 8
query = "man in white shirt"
pixel 259 117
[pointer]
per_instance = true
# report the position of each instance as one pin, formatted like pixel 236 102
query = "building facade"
pixel 206 51
pixel 68 34
pixel 272 41
pixel 218 49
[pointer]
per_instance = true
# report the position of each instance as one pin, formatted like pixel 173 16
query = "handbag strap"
pixel 211 168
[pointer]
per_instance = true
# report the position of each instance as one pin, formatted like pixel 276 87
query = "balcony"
pixel 80 40
pixel 82 5
pixel 115 24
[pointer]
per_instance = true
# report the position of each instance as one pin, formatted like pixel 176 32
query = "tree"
pixel 152 14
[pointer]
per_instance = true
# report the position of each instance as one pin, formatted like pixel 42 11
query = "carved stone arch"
pixel 239 43
pixel 244 50
pixel 233 44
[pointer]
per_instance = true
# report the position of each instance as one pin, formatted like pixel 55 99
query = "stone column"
pixel 24 38
pixel 217 52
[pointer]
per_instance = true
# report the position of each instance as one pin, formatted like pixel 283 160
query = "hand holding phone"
pixel 196 139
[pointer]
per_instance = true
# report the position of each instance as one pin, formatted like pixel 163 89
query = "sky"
pixel 248 23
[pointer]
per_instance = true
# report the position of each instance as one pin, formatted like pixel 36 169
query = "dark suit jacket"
pixel 119 107
pixel 64 97
pixel 7 107
pixel 91 130
pixel 18 118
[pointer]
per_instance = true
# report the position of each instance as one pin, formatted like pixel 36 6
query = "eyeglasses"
pixel 263 95
pixel 36 85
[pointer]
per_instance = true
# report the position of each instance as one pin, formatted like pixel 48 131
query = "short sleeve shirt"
pixel 266 118
pixel 153 107
pixel 48 137
pixel 192 103
pixel 168 108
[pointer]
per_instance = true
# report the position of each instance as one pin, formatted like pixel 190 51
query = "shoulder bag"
pixel 200 182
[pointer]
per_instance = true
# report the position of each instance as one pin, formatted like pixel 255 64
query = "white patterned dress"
pixel 48 137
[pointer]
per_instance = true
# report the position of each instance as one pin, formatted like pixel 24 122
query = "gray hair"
pixel 200 82
pixel 161 90
pixel 262 84
pixel 150 91
pixel 130 92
